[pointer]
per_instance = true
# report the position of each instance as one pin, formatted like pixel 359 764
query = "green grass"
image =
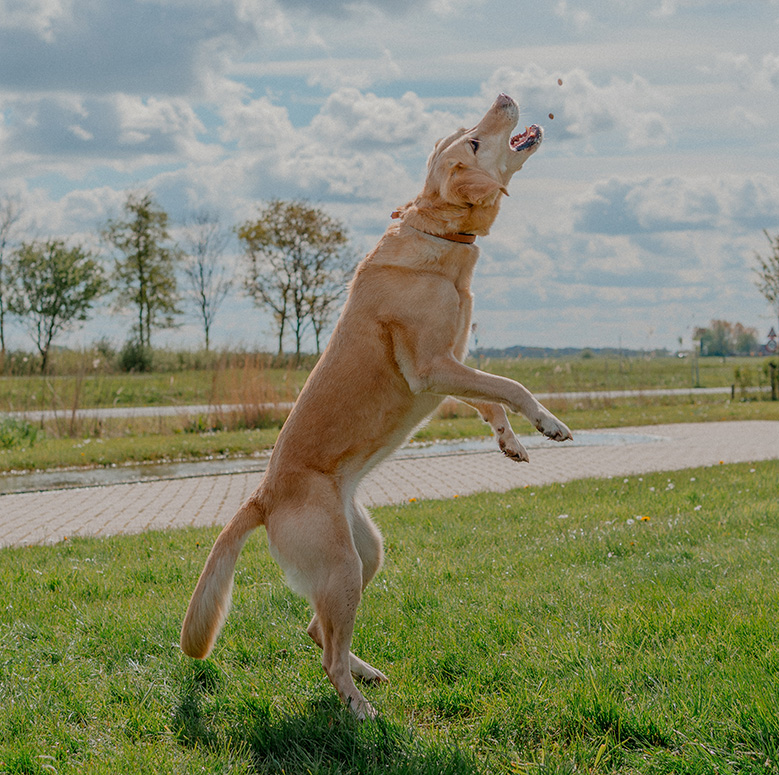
pixel 614 414
pixel 90 452
pixel 619 625
pixel 202 386
pixel 600 373
pixel 226 381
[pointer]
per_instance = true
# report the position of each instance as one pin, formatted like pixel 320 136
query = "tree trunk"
pixel 281 340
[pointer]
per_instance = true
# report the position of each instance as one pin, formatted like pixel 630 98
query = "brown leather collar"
pixel 452 236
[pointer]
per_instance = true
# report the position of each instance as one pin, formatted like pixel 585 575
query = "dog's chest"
pixel 463 326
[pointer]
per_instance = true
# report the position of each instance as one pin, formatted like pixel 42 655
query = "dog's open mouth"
pixel 527 139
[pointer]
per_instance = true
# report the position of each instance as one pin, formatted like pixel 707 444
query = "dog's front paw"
pixel 512 448
pixel 553 428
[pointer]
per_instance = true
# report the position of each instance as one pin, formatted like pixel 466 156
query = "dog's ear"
pixel 472 185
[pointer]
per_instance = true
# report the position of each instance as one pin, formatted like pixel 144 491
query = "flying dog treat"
pixel 559 83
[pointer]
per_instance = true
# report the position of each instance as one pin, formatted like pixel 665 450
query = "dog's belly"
pixel 345 438
pixel 418 414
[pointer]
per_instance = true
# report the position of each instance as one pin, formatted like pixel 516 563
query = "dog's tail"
pixel 210 601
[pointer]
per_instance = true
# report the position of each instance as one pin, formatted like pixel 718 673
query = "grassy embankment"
pixel 70 441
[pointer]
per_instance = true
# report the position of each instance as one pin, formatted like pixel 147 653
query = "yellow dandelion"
pixel 645 519
pixel 412 500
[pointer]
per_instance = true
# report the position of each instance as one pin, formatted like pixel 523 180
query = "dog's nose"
pixel 505 110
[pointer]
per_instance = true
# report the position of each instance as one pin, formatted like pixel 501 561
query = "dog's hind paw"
pixel 512 448
pixel 362 709
pixel 364 671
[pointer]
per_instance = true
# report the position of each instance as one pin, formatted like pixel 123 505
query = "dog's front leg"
pixel 495 416
pixel 447 376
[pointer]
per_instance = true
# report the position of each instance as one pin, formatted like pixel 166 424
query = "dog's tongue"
pixel 531 135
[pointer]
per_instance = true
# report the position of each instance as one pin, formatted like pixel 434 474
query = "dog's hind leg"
pixel 367 541
pixel 336 606
pixel 316 550
pixel 495 416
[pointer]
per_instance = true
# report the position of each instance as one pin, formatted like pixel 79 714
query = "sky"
pixel 637 220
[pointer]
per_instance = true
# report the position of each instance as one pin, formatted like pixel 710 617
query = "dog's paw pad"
pixel 513 450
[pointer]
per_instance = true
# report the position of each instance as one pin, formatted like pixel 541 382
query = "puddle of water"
pixel 130 474
pixel 93 477
pixel 535 441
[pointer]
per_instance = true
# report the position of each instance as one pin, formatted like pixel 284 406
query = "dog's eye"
pixel 474 144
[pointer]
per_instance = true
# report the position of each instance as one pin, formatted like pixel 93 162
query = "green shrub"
pixel 136 357
pixel 17 433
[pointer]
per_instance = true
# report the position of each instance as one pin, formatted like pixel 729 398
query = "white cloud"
pixel 140 119
pixel 360 74
pixel 351 148
pixel 255 123
pixel 352 119
pixel 81 133
pixel 761 76
pixel 36 16
pixel 633 108
pixel 319 173
pixel 142 47
pixel 454 7
pixel 618 206
pixel 120 130
pixel 577 17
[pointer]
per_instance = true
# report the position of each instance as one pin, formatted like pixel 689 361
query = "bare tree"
pixel 767 273
pixel 298 261
pixel 208 279
pixel 10 212
pixel 326 286
pixel 53 288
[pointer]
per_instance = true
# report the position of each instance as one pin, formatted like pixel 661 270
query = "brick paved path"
pixel 48 517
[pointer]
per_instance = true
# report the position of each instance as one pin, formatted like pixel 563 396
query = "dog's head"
pixel 468 171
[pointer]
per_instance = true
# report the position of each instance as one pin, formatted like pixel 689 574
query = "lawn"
pixel 614 625
pixel 238 378
pixel 221 384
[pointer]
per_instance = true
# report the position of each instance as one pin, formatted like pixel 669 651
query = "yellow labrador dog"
pixel 396 352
